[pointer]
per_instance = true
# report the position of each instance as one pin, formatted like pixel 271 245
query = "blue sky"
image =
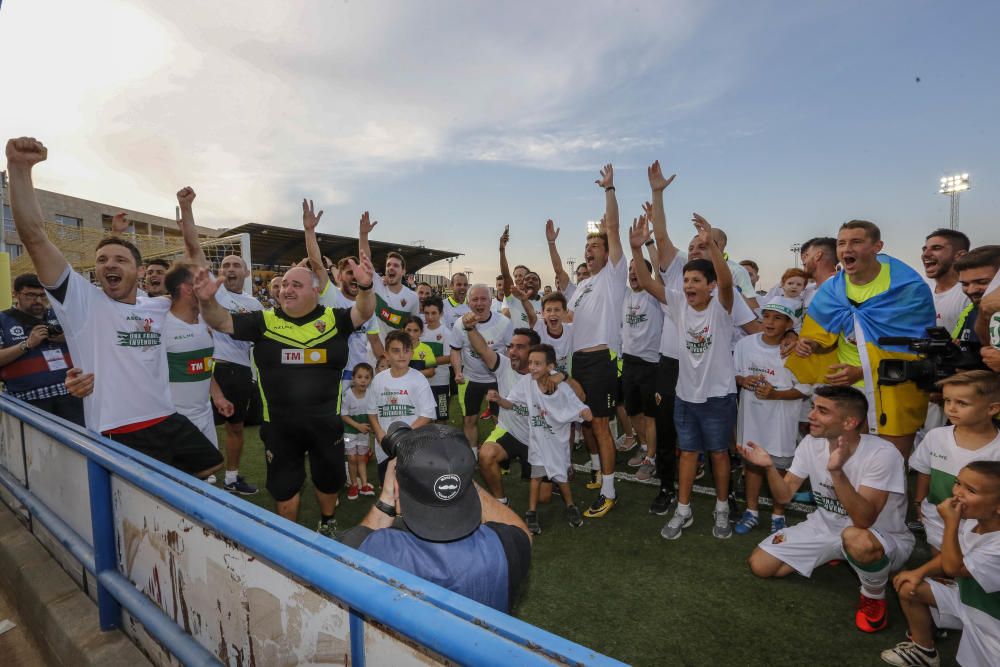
pixel 449 120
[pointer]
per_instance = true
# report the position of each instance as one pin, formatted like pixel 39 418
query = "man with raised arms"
pixel 394 301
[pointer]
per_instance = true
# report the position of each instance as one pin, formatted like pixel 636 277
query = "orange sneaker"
pixel 872 615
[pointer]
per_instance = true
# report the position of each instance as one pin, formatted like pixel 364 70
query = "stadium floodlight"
pixel 796 250
pixel 953 186
pixel 593 227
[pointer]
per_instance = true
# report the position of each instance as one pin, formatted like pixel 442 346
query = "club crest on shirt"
pixel 402 302
pixel 778 538
pixel 320 325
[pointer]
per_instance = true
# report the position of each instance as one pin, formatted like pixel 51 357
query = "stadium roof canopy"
pixel 284 246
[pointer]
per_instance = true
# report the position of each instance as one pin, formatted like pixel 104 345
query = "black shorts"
pixel 174 441
pixel 316 431
pixel 441 398
pixel 237 385
pixel 597 373
pixel 516 450
pixel 471 395
pixel 638 386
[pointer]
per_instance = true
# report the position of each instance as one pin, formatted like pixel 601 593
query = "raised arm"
pixel 723 276
pixel 22 155
pixel 477 342
pixel 364 304
pixel 611 223
pixel 365 228
pixel 529 310
pixel 508 282
pixel 192 250
pixel 665 248
pixel 551 234
pixel 638 235
pixel 212 311
pixel 310 220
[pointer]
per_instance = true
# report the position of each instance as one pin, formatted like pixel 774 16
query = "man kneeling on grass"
pixel 970 552
pixel 859 485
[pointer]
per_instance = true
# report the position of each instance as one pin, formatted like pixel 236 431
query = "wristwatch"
pixel 24 346
pixel 385 508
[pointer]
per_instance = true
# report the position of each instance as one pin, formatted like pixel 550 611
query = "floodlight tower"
pixel 449 260
pixel 953 186
pixel 796 250
pixel 572 262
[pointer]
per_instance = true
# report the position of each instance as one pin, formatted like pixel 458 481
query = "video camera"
pixel 941 358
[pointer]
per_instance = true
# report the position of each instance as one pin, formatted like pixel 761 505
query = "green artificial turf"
pixel 616 586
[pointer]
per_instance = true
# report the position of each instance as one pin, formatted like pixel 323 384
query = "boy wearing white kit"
pixel 971 401
pixel 549 419
pixel 770 403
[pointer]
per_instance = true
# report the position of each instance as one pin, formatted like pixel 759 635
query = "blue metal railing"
pixel 417 609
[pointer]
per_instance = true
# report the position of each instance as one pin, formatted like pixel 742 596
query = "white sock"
pixel 752 512
pixel 608 486
pixel 684 510
pixel 595 462
pixel 503 501
pixel 231 476
pixel 721 505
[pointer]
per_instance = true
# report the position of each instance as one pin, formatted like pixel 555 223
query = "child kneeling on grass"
pixel 770 404
pixel 357 430
pixel 549 419
pixel 970 552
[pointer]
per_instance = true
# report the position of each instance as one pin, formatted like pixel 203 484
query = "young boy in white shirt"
pixel 549 419
pixel 436 335
pixel 971 401
pixel 770 403
pixel 554 330
pixel 970 552
pixel 353 407
pixel 399 393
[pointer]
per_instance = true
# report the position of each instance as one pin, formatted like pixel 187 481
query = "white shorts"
pixel 980 643
pixel 806 546
pixel 356 443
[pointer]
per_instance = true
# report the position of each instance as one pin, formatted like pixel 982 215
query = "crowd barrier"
pixel 195 576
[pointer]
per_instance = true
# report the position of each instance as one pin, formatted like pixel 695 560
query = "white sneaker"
pixel 677 523
pixel 722 529
pixel 211 479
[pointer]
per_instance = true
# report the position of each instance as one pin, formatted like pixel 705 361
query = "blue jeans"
pixel 705 427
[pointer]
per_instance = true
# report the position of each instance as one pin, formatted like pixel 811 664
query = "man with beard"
pixel 156 271
pixel 523 279
pixel 976 270
pixel 472 375
pixel 34 358
pixel 941 248
pixel 455 305
pixel 110 330
pixel 340 297
pixel 819 260
pixel 395 303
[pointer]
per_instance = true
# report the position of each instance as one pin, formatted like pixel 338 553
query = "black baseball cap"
pixel 437 497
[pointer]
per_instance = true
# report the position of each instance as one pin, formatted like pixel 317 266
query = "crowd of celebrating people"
pixel 814 388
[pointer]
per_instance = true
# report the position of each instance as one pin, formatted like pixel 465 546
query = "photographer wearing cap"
pixel 35 357
pixel 433 521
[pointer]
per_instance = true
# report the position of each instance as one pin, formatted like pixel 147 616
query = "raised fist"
pixel 185 196
pixel 26 152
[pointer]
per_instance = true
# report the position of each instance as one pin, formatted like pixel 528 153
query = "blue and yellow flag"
pixel 906 308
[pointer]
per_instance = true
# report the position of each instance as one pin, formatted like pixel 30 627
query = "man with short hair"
pixel 875 296
pixel 108 329
pixel 156 271
pixel 455 305
pixel 274 290
pixel 35 357
pixel 976 270
pixel 394 301
pixel 859 486
pixel 433 521
pixel 424 291
pixel 942 248
pixel 497 303
pixel 819 260
pixel 753 270
pixel 524 280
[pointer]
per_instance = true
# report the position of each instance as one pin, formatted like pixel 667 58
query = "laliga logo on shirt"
pixel 447 486
pixel 16 330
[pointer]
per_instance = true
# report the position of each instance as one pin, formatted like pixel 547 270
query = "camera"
pixel 395 435
pixel 54 329
pixel 941 358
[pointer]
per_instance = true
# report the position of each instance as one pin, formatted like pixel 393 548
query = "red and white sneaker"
pixel 872 615
pixel 352 492
pixel 367 490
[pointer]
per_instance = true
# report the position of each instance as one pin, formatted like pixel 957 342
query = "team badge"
pixel 320 325
pixel 778 538
pixel 402 302
pixel 447 486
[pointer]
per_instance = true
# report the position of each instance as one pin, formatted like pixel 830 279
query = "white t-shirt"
pixel 355 407
pixel 439 340
pixel 227 349
pixel 569 291
pixel 669 342
pixel 122 345
pixel 562 345
pixel 706 367
pixel 994 325
pixel 515 420
pixel 518 315
pixel 496 305
pixel 549 420
pixel 949 305
pixel 939 456
pixel 642 325
pixel 392 309
pixel 596 307
pixel 357 342
pixel 189 359
pixel 673 279
pixel 876 464
pixel 772 424
pixel 403 399
pixel 741 280
pixel 454 311
pixel 980 643
pixel 497 332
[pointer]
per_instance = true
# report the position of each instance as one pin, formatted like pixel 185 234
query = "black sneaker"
pixel 531 519
pixel 573 516
pixel 241 486
pixel 661 503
